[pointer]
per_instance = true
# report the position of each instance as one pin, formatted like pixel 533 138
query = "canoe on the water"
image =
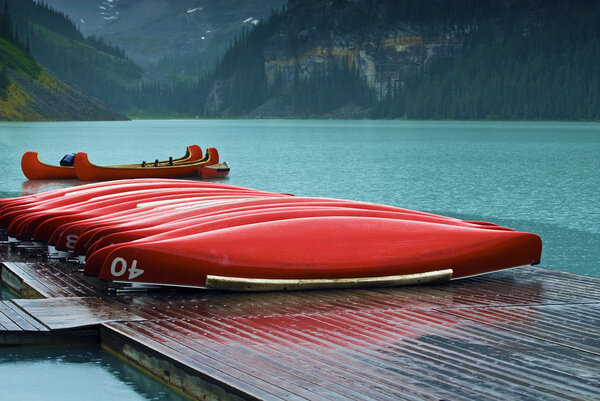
pixel 320 252
pixel 214 171
pixel 86 171
pixel 34 169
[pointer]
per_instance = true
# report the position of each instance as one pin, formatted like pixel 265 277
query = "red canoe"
pixel 200 224
pixel 23 201
pixel 41 225
pixel 119 231
pixel 92 230
pixel 85 193
pixel 321 252
pixel 198 234
pixel 214 171
pixel 70 228
pixel 34 169
pixel 86 171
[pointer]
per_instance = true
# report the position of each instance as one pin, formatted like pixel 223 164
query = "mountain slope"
pixel 169 39
pixel 90 64
pixel 466 59
pixel 29 93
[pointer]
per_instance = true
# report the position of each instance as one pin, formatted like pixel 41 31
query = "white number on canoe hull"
pixel 71 240
pixel 118 267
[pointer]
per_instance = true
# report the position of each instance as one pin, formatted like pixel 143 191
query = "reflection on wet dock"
pixel 526 333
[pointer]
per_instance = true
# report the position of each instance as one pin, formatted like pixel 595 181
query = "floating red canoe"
pixel 86 171
pixel 214 171
pixel 34 169
pixel 320 252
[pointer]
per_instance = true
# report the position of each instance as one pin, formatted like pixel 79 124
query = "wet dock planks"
pixel 526 333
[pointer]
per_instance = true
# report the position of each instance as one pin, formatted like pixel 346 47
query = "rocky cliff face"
pixel 382 62
pixel 386 40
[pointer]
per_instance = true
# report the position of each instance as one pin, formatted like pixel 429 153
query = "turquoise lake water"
pixel 537 177
pixel 83 373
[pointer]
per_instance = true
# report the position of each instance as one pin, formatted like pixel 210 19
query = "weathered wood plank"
pixel 527 333
pixel 7 318
pixel 25 321
pixel 71 313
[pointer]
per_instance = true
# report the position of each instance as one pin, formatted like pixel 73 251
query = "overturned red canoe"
pixel 86 171
pixel 178 218
pixel 70 228
pixel 205 223
pixel 85 193
pixel 42 225
pixel 94 229
pixel 185 233
pixel 320 252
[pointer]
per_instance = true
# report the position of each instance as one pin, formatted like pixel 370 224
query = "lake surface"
pixel 75 373
pixel 537 177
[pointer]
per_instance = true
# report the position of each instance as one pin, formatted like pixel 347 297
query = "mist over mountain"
pixel 169 39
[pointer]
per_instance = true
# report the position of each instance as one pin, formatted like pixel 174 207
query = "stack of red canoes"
pixel 203 234
pixel 194 162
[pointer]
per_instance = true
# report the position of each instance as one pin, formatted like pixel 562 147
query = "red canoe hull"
pixel 87 171
pixel 34 169
pixel 198 234
pixel 214 171
pixel 321 248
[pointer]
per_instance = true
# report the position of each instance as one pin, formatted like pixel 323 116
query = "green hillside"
pixel 89 64
pixel 30 93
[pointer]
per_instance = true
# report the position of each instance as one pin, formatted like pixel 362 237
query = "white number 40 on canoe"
pixel 118 267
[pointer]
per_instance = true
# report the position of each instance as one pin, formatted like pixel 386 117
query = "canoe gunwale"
pixel 263 284
pixel 185 161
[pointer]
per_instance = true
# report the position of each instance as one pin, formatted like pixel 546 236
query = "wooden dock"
pixel 527 333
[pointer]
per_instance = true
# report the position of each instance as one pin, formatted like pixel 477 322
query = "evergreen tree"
pixel 4 82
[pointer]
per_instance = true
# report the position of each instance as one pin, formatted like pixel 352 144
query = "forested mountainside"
pixel 28 92
pixel 90 64
pixel 168 39
pixel 417 59
pixel 448 59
